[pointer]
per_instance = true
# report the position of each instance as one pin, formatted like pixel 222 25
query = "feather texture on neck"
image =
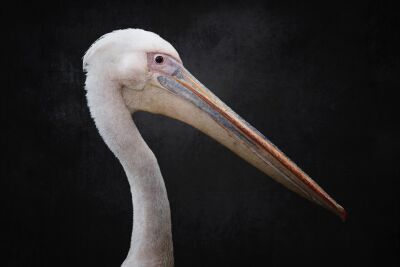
pixel 151 240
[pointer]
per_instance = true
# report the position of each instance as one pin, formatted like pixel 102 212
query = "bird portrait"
pixel 131 70
pixel 200 133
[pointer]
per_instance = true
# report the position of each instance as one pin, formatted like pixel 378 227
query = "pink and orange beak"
pixel 227 127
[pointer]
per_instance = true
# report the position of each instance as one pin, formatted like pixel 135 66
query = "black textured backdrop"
pixel 318 78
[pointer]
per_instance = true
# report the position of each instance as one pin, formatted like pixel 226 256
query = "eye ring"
pixel 159 59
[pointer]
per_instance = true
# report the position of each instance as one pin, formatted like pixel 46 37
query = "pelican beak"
pixel 227 127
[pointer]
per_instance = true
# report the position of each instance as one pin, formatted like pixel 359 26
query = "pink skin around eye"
pixel 167 67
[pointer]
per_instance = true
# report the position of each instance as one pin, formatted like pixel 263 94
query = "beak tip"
pixel 343 215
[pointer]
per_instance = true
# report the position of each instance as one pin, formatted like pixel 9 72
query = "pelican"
pixel 136 70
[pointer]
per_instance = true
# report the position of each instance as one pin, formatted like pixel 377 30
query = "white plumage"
pixel 132 69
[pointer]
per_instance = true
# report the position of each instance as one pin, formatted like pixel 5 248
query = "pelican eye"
pixel 159 59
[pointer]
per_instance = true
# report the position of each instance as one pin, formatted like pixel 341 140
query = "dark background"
pixel 318 78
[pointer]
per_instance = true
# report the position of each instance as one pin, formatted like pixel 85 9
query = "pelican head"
pixel 150 76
